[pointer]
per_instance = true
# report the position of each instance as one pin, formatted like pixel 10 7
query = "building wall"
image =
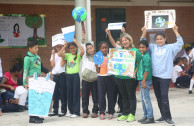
pixel 58 16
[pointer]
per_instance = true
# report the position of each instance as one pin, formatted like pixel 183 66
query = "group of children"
pixel 157 68
pixel 153 66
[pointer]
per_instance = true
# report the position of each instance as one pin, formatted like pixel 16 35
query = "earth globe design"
pixel 79 14
pixel 119 68
pixel 160 21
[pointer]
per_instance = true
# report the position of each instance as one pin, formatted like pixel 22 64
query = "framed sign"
pixel 160 19
pixel 17 29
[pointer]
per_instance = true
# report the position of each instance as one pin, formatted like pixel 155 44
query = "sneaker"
pixel 68 115
pixel 53 114
pixel 61 114
pixel 190 92
pixel 141 120
pixel 110 116
pixel 169 121
pixel 85 115
pixel 160 119
pixel 40 118
pixel 74 116
pixel 35 120
pixel 131 118
pixel 121 118
pixel 148 120
pixel 94 115
pixel 102 116
pixel 179 86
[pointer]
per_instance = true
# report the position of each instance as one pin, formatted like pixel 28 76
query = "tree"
pixel 34 22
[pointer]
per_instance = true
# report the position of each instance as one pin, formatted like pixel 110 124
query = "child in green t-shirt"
pixel 144 76
pixel 32 64
pixel 73 80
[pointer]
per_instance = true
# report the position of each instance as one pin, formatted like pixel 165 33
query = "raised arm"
pixel 79 46
pixel 53 58
pixel 143 32
pixel 112 41
pixel 83 37
pixel 63 62
pixel 175 29
pixel 61 53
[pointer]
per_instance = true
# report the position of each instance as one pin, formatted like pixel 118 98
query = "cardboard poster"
pixel 121 62
pixel 40 96
pixel 69 33
pixel 58 39
pixel 160 19
pixel 115 26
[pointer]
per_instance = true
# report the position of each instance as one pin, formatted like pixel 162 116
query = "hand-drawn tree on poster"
pixel 35 22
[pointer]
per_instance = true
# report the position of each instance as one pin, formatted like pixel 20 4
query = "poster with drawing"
pixel 17 30
pixel 160 19
pixel 40 96
pixel 121 62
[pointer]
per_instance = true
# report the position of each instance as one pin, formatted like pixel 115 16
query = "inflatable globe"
pixel 79 14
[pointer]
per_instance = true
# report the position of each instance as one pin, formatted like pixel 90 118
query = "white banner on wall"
pixel 15 31
pixel 160 19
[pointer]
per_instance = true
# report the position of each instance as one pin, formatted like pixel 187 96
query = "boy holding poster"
pixel 127 85
pixel 144 76
pixel 32 64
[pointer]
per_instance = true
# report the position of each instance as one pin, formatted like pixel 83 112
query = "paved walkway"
pixel 181 108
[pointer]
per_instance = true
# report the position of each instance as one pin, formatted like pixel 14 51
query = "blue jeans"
pixel 73 93
pixel 145 99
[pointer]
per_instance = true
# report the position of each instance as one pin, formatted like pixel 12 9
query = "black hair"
pixel 16 67
pixel 102 42
pixel 188 49
pixel 177 60
pixel 20 81
pixel 161 34
pixel 73 43
pixel 183 58
pixel 87 44
pixel 14 30
pixel 32 43
pixel 144 42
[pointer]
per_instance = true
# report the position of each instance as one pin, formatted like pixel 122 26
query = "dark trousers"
pixel 183 81
pixel 127 88
pixel 88 87
pixel 60 91
pixel 105 85
pixel 73 93
pixel 12 108
pixel 118 98
pixel 7 95
pixel 161 87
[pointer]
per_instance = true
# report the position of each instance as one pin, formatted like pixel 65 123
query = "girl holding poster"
pixel 162 56
pixel 127 85
pixel 72 77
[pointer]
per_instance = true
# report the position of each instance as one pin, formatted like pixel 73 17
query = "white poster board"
pixel 115 26
pixel 160 19
pixel 58 39
pixel 40 96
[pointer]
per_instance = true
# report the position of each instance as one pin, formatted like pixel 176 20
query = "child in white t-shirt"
pixel 59 74
pixel 179 77
pixel 18 103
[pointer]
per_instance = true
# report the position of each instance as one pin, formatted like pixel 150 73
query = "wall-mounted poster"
pixel 160 19
pixel 17 29
pixel 121 62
